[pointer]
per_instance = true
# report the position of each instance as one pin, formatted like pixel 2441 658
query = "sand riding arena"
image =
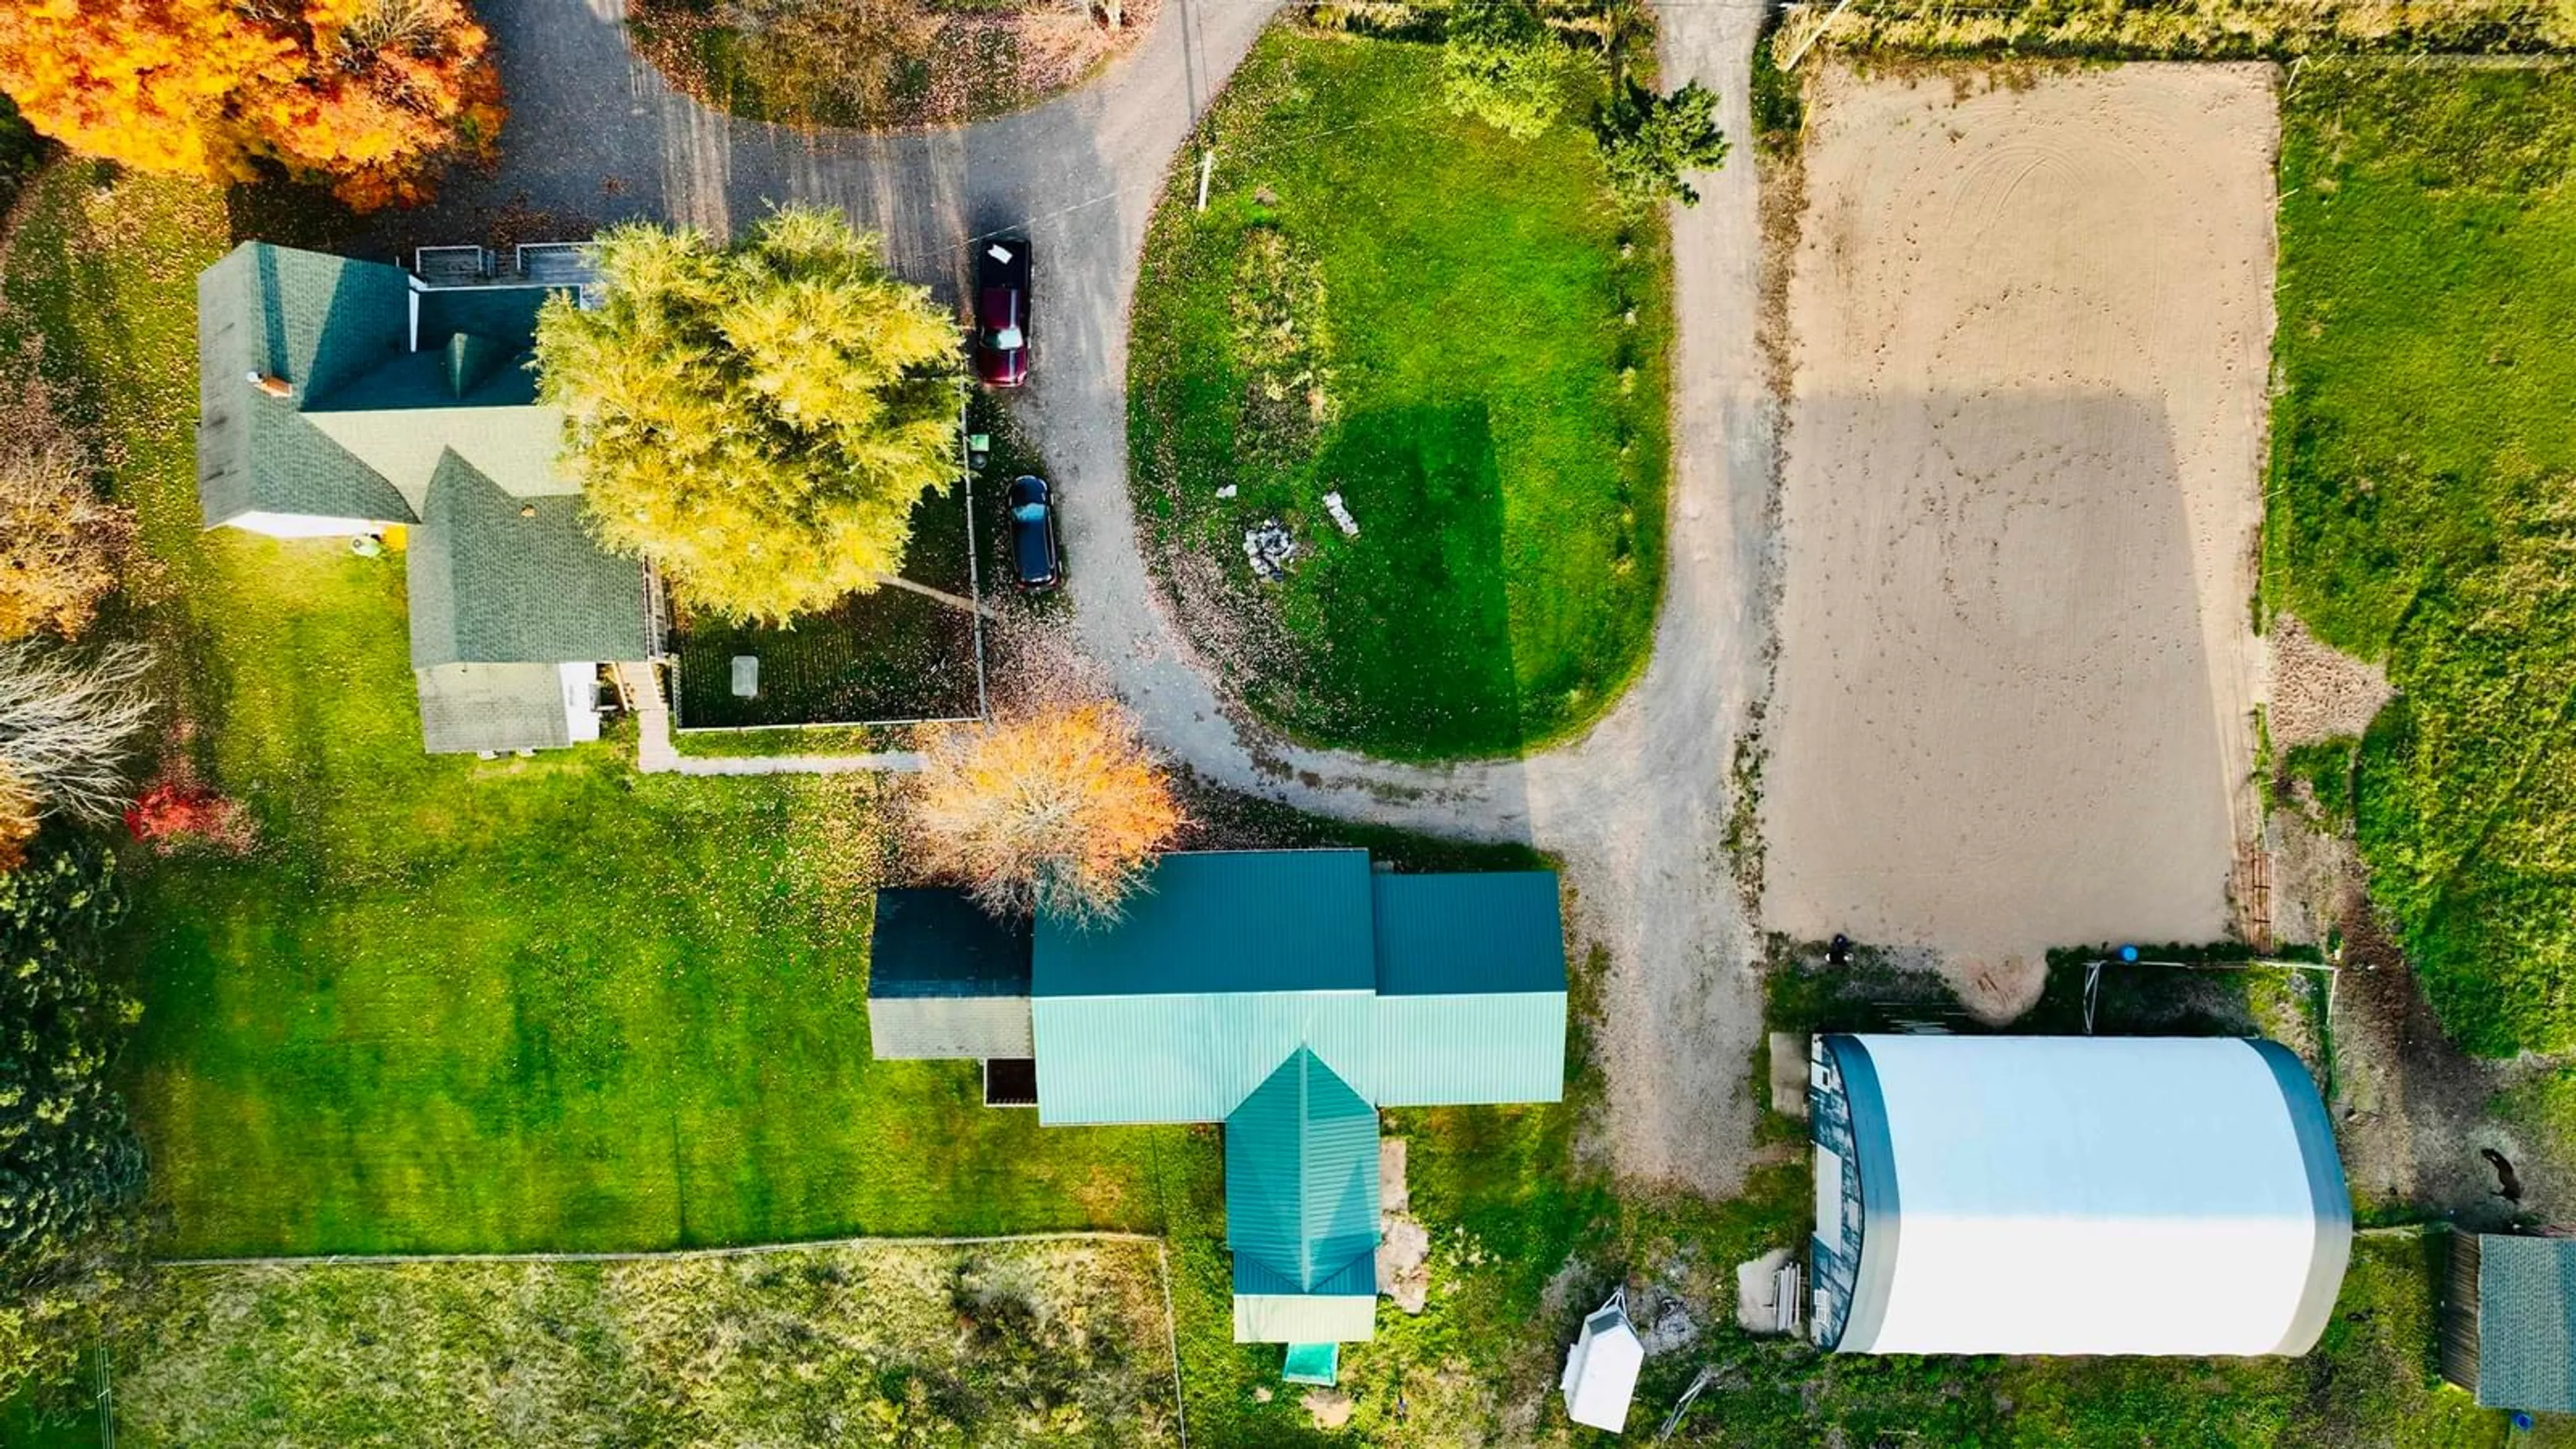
pixel 2030 317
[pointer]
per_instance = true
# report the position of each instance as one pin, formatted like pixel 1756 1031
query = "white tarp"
pixel 1601 1370
pixel 2073 1195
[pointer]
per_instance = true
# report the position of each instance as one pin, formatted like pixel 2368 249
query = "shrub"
pixel 1500 65
pixel 179 811
pixel 63 548
pixel 1647 141
pixel 71 1169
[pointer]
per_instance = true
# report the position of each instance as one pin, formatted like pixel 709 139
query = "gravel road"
pixel 1636 808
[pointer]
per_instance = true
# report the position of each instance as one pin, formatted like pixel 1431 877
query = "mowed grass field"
pixel 1453 331
pixel 2424 499
pixel 457 1005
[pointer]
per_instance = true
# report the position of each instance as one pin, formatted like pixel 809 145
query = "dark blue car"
pixel 1037 557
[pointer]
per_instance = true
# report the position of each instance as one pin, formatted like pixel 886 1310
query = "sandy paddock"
pixel 2022 485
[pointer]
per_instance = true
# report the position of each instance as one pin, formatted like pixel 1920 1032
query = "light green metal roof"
pixel 1224 921
pixel 1448 935
pixel 496 579
pixel 1305 1317
pixel 2527 1323
pixel 1445 1051
pixel 1234 960
pixel 1108 1059
pixel 1301 1184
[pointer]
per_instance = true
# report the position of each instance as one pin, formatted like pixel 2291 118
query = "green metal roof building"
pixel 340 397
pixel 1287 994
pixel 2509 1321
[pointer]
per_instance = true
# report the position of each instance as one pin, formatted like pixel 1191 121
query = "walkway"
pixel 1637 808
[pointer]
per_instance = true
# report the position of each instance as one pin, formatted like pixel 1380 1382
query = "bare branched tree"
pixel 1059 811
pixel 68 727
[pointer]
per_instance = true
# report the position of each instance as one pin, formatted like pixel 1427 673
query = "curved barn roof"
pixel 2065 1195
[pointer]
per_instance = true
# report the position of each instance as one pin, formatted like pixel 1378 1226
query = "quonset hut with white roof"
pixel 2072 1195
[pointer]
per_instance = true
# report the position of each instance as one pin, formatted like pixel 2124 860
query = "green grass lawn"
pixel 2423 492
pixel 1452 330
pixel 461 1005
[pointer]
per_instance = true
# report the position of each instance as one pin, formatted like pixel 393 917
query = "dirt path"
pixel 1637 808
pixel 2017 677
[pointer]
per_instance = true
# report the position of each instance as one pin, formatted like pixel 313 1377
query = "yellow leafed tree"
pixel 1059 811
pixel 757 422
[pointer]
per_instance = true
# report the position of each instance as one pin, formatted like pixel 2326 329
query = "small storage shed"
pixel 2072 1195
pixel 1601 1370
pixel 946 980
pixel 2509 1322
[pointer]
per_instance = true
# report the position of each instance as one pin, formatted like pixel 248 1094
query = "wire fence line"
pixel 744 1250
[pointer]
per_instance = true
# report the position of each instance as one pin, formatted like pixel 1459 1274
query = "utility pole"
pixel 1207 165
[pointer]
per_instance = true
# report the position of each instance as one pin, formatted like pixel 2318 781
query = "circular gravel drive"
pixel 1637 808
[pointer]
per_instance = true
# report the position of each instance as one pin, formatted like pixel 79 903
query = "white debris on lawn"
pixel 1269 548
pixel 1341 516
pixel 1228 491
pixel 1757 1306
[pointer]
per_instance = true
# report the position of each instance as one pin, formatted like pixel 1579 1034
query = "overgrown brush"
pixel 2179 29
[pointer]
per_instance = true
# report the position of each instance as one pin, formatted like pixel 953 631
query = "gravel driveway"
pixel 1636 808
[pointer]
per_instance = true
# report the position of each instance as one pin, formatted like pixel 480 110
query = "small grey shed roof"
pixel 2526 1331
pixel 479 708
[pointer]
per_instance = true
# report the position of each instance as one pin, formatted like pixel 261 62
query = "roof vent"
pixel 271 385
pixel 470 360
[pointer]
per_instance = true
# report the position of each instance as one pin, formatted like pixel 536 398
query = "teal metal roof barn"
pixel 1287 994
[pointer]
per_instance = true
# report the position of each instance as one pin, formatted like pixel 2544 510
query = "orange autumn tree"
pixel 1059 811
pixel 375 96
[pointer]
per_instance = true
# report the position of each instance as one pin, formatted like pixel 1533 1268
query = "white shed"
pixel 1601 1370
pixel 2072 1195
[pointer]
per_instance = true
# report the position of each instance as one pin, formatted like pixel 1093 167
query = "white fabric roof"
pixel 1601 1371
pixel 2067 1195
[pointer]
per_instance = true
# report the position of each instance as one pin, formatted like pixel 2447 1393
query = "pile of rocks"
pixel 1269 548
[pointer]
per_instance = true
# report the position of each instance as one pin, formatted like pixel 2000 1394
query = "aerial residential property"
pixel 342 399
pixel 1156 723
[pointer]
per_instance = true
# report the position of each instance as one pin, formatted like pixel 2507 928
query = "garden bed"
pixel 1458 337
pixel 891 656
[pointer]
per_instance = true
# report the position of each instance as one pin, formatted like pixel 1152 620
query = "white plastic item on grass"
pixel 1601 1369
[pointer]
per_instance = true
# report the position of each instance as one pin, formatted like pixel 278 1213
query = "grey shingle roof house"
pixel 340 397
pixel 2509 1321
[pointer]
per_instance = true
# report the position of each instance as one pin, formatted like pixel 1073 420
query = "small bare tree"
pixel 1060 810
pixel 63 548
pixel 68 727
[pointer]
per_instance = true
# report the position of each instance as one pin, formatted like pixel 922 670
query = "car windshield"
pixel 1030 513
pixel 1009 339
